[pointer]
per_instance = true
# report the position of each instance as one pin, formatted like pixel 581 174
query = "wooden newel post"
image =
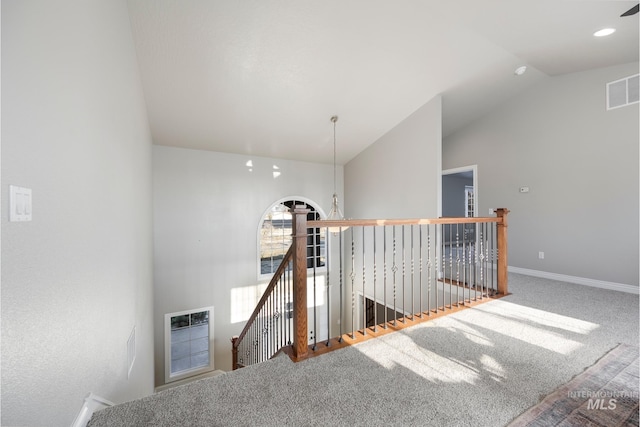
pixel 503 280
pixel 234 353
pixel 300 344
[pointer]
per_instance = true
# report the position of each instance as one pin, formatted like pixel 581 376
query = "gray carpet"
pixel 479 367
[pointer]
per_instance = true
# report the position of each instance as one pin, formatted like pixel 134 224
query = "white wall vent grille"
pixel 131 351
pixel 623 92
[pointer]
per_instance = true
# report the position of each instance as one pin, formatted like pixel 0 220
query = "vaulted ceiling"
pixel 263 77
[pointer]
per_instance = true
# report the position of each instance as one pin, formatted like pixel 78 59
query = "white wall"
pixel 78 278
pixel 207 208
pixel 398 176
pixel 581 165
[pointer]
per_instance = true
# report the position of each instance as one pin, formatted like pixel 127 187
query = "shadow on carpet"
pixel 605 395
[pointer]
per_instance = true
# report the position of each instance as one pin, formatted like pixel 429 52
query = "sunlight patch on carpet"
pixel 402 351
pixel 537 327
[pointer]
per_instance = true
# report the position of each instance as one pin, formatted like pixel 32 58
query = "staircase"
pixel 413 269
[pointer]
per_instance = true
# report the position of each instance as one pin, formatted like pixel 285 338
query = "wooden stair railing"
pixel 279 277
pixel 284 298
pixel 279 322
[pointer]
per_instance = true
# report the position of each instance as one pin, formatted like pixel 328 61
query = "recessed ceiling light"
pixel 520 70
pixel 604 32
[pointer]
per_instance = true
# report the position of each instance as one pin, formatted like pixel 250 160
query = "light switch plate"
pixel 20 204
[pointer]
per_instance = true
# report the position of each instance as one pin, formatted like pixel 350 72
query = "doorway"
pixel 460 192
pixel 459 199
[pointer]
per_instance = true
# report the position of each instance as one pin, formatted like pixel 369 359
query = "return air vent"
pixel 623 92
pixel 131 351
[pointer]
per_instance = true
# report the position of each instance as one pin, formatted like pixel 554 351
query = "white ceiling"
pixel 263 77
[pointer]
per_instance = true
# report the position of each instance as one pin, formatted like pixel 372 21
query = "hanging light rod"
pixel 334 119
pixel 335 213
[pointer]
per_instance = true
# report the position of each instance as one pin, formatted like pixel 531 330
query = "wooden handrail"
pixel 382 222
pixel 272 284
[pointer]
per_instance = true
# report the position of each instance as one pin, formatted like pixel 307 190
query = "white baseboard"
pixel 577 280
pixel 92 403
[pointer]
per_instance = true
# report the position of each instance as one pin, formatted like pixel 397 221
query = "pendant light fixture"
pixel 335 213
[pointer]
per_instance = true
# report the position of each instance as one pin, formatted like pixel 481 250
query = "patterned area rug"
pixel 605 395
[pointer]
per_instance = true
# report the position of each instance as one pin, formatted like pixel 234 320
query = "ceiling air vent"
pixel 623 92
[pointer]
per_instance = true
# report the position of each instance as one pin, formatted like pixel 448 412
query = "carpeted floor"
pixel 605 395
pixel 479 367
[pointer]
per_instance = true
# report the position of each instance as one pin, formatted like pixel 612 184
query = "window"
pixel 275 236
pixel 188 338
